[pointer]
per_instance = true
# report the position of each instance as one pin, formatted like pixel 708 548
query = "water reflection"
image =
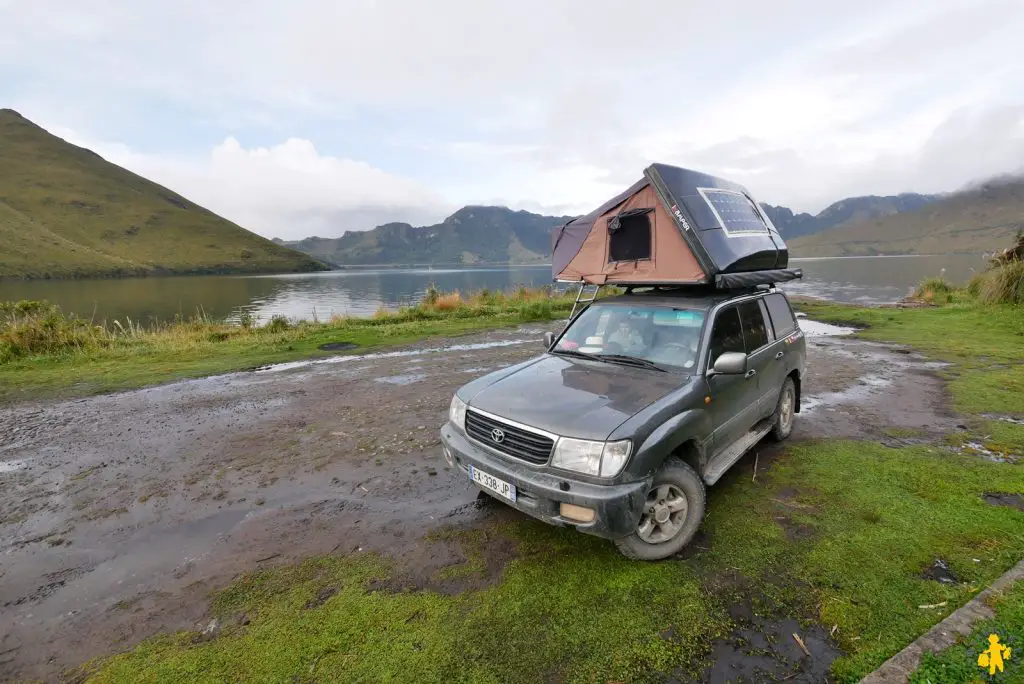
pixel 361 292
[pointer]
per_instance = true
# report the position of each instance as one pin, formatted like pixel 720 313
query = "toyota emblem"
pixel 497 435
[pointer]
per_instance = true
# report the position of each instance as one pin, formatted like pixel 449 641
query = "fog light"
pixel 578 513
pixel 447 456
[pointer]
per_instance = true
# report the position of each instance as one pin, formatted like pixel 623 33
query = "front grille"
pixel 518 443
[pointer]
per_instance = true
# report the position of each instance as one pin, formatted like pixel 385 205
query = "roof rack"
pixel 726 282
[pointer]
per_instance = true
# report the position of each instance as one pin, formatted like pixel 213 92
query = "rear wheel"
pixel 672 513
pixel 784 411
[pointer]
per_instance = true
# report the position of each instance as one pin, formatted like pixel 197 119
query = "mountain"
pixel 485 234
pixel 67 212
pixel 844 211
pixel 473 234
pixel 978 219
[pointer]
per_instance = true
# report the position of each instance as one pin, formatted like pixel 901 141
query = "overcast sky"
pixel 319 116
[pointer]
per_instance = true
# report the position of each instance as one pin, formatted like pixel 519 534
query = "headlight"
pixel 457 412
pixel 605 459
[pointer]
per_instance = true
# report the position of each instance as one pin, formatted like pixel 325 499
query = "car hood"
pixel 573 397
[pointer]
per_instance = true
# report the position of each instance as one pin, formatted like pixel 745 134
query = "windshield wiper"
pixel 577 354
pixel 632 360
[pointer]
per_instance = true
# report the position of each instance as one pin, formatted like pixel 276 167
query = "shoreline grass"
pixel 45 353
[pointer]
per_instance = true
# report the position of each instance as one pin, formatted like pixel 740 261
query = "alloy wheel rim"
pixel 664 514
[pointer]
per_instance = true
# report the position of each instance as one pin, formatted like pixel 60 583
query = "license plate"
pixel 487 481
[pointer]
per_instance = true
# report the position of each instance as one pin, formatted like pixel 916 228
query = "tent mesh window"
pixel 629 235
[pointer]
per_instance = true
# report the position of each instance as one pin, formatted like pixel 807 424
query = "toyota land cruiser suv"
pixel 642 401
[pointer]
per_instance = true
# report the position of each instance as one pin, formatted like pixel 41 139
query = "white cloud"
pixel 289 190
pixel 549 103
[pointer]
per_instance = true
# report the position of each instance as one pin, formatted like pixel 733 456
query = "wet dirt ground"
pixel 120 513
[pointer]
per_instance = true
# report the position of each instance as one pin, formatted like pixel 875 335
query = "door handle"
pixel 779 355
pixel 750 373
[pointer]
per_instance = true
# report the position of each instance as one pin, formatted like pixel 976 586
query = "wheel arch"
pixel 795 375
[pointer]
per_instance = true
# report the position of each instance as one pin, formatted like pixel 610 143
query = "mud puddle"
pixel 120 513
pixel 862 389
pixel 766 650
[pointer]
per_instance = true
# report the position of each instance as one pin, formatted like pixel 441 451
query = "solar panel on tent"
pixel 734 211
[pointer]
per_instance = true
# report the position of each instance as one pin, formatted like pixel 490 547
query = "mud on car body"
pixel 641 402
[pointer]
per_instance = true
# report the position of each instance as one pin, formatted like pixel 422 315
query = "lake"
pixel 869 280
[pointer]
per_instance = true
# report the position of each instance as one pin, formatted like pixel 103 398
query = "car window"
pixel 727 335
pixel 669 336
pixel 781 314
pixel 755 335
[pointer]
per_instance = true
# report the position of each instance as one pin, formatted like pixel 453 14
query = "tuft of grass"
pixel 935 290
pixel 449 302
pixel 1003 284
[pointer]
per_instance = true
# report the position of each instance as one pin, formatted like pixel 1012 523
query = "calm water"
pixel 360 293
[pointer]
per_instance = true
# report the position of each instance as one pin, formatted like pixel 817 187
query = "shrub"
pixel 974 286
pixel 278 323
pixel 34 327
pixel 431 296
pixel 935 290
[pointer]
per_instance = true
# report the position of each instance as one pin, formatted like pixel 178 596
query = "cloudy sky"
pixel 319 116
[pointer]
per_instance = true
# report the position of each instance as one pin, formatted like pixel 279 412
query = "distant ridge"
pixel 67 212
pixel 848 210
pixel 472 235
pixel 981 219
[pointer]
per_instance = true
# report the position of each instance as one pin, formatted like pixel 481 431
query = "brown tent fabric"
pixel 670 257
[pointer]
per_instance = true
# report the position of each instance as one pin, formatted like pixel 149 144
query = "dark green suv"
pixel 642 401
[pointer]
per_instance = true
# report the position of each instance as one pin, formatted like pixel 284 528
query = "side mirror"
pixel 730 363
pixel 549 339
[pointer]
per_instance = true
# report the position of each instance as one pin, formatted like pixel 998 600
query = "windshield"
pixel 663 335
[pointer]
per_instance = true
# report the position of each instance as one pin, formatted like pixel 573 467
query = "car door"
pixel 758 340
pixel 733 406
pixel 782 324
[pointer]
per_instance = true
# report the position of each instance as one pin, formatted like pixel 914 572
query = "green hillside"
pixel 67 212
pixel 979 220
pixel 474 234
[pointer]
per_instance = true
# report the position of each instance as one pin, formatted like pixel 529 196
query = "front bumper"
pixel 538 493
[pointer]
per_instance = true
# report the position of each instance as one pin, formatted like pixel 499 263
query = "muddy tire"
pixel 674 511
pixel 784 411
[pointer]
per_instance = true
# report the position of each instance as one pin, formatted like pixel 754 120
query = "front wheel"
pixel 672 513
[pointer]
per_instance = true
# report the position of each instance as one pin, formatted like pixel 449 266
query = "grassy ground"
pixel 836 533
pixel 959 664
pixel 848 551
pixel 45 354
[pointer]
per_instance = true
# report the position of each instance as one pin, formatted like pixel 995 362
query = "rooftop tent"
pixel 674 226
